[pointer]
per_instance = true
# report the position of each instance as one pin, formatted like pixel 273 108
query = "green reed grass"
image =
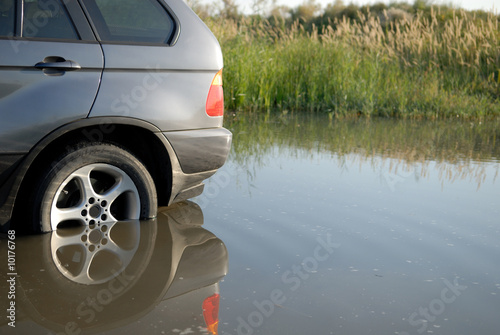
pixel 416 68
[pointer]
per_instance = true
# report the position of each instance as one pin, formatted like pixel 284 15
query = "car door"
pixel 50 70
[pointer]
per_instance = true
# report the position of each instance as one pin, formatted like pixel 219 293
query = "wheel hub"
pixel 95 211
pixel 95 236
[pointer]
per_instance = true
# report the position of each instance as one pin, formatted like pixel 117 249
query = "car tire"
pixel 91 184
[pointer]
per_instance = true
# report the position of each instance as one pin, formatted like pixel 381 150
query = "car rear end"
pixel 155 91
pixel 174 81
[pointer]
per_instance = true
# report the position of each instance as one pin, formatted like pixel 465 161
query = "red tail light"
pixel 215 100
pixel 211 313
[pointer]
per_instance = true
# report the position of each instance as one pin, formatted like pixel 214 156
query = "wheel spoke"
pixel 83 176
pixel 83 276
pixel 59 215
pixel 125 184
pixel 125 256
pixel 60 240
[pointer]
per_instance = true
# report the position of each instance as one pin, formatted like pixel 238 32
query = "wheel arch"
pixel 136 136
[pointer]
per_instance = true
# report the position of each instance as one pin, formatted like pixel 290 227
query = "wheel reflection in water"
pixel 96 253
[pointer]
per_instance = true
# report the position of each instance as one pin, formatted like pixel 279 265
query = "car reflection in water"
pixel 156 277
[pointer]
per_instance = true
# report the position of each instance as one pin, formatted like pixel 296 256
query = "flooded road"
pixel 312 227
pixel 153 277
pixel 358 227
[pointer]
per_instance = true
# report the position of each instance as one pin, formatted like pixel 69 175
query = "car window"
pixel 131 21
pixel 47 19
pixel 7 17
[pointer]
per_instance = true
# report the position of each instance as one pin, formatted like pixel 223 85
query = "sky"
pixel 488 5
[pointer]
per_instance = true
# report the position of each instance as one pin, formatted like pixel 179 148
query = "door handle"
pixel 58 63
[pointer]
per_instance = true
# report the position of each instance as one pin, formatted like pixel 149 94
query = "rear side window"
pixel 7 17
pixel 131 21
pixel 47 19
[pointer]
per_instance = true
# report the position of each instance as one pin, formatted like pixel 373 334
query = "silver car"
pixel 108 109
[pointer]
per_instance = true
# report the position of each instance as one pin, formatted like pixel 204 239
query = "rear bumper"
pixel 195 155
pixel 200 150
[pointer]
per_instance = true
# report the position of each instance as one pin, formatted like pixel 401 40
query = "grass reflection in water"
pixel 455 149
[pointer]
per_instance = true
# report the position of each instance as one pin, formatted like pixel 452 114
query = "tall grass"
pixel 420 67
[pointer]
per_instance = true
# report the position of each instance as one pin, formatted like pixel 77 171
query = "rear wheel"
pixel 93 184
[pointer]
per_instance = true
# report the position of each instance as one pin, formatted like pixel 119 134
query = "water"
pixel 154 277
pixel 355 227
pixel 349 227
